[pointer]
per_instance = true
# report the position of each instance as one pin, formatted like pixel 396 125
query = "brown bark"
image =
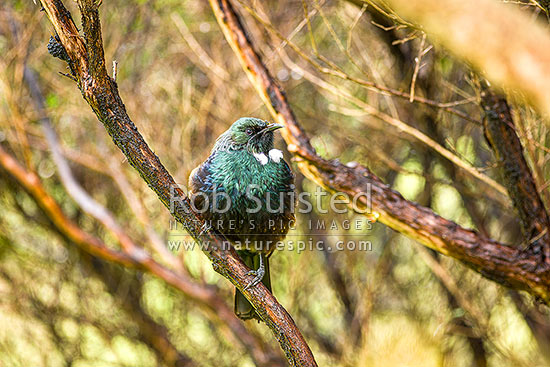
pixel 511 266
pixel 500 132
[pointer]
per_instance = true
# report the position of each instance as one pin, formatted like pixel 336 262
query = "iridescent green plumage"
pixel 251 180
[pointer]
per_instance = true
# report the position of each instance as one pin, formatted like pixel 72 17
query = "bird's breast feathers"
pixel 235 172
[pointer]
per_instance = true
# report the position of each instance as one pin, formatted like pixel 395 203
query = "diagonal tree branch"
pixel 100 91
pixel 514 267
pixel 500 132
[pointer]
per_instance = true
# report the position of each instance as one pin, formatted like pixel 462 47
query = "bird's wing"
pixel 199 182
pixel 287 172
pixel 198 179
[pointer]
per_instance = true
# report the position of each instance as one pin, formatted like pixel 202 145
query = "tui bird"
pixel 245 191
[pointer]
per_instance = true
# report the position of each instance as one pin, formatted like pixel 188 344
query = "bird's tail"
pixel 243 308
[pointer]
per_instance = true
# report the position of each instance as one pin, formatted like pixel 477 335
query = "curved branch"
pixel 101 93
pixel 514 267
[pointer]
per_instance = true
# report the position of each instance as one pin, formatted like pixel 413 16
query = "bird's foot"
pixel 258 275
pixel 205 228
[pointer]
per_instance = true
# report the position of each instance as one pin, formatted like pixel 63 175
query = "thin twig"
pixel 417 61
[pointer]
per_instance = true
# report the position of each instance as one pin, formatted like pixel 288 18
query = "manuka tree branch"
pixel 498 126
pixel 100 91
pixel 511 266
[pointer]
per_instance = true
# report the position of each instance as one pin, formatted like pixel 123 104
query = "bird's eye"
pixel 249 131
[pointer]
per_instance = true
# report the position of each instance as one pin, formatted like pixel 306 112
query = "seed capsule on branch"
pixel 56 49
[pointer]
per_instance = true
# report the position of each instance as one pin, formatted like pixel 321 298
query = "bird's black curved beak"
pixel 273 127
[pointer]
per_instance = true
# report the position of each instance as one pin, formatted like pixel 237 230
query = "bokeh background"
pixel 399 304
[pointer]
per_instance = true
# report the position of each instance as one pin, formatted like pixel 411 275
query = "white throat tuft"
pixel 275 155
pixel 261 157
